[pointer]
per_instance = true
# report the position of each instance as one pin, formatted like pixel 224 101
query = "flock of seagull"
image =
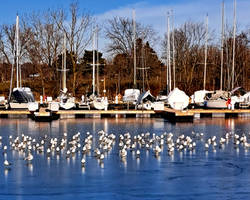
pixel 69 146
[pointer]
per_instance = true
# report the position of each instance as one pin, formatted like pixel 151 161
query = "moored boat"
pixel 178 99
pixel 20 97
pixel 66 101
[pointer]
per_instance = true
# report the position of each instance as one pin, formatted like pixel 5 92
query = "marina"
pixel 124 100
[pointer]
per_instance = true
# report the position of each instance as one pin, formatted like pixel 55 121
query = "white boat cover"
pixel 131 95
pixel 218 94
pixel 199 96
pixel 178 99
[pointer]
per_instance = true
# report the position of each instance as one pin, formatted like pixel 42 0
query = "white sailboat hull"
pixel 158 106
pixel 67 105
pixel 100 104
pixel 147 106
pixel 33 106
pixel 218 103
pixel 18 105
pixel 53 106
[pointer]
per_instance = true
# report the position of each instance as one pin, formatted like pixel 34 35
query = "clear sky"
pixel 150 12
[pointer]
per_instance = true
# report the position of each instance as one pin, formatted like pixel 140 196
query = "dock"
pixel 167 113
pixel 190 114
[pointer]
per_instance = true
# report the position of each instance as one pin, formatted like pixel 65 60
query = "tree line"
pixel 41 44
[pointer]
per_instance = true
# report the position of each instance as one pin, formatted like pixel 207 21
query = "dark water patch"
pixel 176 177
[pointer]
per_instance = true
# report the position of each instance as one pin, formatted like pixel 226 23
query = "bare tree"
pixel 189 42
pixel 78 33
pixel 44 44
pixel 120 33
pixel 8 40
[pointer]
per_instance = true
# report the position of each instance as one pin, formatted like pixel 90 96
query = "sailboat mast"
pixel 98 64
pixel 17 51
pixel 93 40
pixel 205 63
pixel 143 67
pixel 222 44
pixel 64 63
pixel 134 40
pixel 234 30
pixel 168 52
pixel 173 54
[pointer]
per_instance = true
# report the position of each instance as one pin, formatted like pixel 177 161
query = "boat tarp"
pixel 218 94
pixel 178 99
pixel 144 97
pixel 131 95
pixel 199 96
pixel 22 95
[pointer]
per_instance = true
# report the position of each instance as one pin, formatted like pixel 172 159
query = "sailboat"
pixel 99 103
pixel 132 95
pixel 220 98
pixel 199 97
pixel 66 101
pixel 146 99
pixel 177 99
pixel 20 97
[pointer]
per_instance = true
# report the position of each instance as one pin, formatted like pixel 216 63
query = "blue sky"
pixel 9 8
pixel 150 12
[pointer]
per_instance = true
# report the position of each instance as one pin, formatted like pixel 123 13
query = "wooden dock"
pixel 176 115
pixel 168 113
pixel 190 114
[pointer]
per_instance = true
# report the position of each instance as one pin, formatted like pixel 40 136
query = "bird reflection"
pixel 6 172
pixel 124 161
pixel 83 169
pixel 101 164
pixel 57 158
pixel 30 167
pixel 138 162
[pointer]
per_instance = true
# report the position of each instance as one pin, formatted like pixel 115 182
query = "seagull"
pixel 6 163
pixel 83 161
pixel 138 153
pixel 101 156
pixel 206 146
pixel 29 157
pixel 57 149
